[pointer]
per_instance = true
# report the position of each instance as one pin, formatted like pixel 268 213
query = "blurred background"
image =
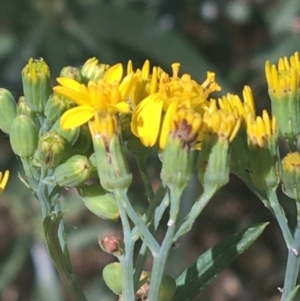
pixel 233 38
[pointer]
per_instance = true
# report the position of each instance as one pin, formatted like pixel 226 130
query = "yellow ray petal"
pixel 78 97
pixel 76 117
pixel 149 123
pixel 121 107
pixel 68 83
pixel 167 123
pixel 3 180
pixel 114 73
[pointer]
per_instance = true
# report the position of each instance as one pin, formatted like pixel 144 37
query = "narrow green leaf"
pixel 213 261
pixel 291 296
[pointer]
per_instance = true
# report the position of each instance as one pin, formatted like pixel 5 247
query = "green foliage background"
pixel 232 38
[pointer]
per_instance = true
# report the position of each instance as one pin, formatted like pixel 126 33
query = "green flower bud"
pixel 185 157
pixel 23 136
pixel 92 70
pixel 50 152
pixel 7 110
pixel 75 171
pixel 100 202
pixel 22 108
pixel 214 162
pixel 69 135
pixel 36 84
pixel 167 288
pixel 111 161
pixel 112 275
pixel 71 72
pixel 56 105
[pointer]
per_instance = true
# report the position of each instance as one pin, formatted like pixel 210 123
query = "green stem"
pixel 65 271
pixel 281 218
pixel 196 209
pixel 153 245
pixel 126 259
pixel 159 260
pixel 148 216
pixel 56 241
pixel 293 262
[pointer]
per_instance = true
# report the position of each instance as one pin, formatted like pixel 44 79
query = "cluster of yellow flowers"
pixel 160 104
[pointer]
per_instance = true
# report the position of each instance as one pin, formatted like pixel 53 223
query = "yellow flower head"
pixel 146 83
pixel 262 130
pixel 232 103
pixel 173 93
pixel 221 123
pixel 101 97
pixel 291 163
pixel 184 123
pixel 284 78
pixel 3 180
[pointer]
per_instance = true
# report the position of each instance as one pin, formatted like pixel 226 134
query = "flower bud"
pixel 75 171
pixel 56 105
pixel 100 202
pixel 36 84
pixel 111 161
pixel 23 136
pixel 71 72
pixel 22 108
pixel 112 245
pixel 185 157
pixel 7 110
pixel 167 288
pixel 69 135
pixel 50 152
pixel 112 275
pixel 92 70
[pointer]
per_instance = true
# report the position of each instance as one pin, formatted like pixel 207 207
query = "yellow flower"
pixel 283 87
pixel 285 78
pixel 232 103
pixel 261 130
pixel 221 123
pixel 184 123
pixel 173 93
pixel 3 180
pixel 97 98
pixel 146 83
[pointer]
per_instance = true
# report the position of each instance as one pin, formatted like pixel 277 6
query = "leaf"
pixel 291 296
pixel 213 261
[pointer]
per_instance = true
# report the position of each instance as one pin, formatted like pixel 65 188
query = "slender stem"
pixel 159 260
pixel 196 209
pixel 51 226
pixel 281 218
pixel 56 241
pixel 126 260
pixel 293 262
pixel 148 216
pixel 137 220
